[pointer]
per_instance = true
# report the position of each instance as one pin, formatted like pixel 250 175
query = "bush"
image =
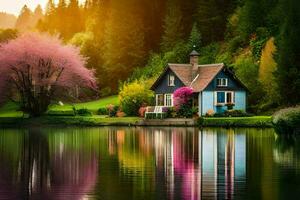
pixel 287 121
pixel 84 112
pixel 134 95
pixel 156 116
pixel 183 102
pixel 112 110
pixel 259 121
pixel 103 111
pixel 229 113
pixel 171 112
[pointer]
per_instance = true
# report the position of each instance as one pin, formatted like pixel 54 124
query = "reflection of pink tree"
pixel 72 176
pixel 185 167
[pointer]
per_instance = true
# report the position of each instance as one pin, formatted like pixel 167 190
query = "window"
pixel 222 82
pixel 169 100
pixel 224 98
pixel 171 80
pixel 160 100
pixel 220 97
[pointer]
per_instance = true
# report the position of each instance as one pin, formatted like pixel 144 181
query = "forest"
pixel 129 42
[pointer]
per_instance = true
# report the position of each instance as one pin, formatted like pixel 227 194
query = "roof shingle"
pixel 205 74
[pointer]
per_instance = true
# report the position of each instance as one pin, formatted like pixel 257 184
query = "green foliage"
pixel 112 110
pixel 287 57
pixel 257 121
pixel 134 95
pixel 7 35
pixel 102 111
pixel 266 73
pixel 171 112
pixel 209 53
pixel 156 116
pixel 245 67
pixel 258 42
pixel 84 112
pixel 173 32
pixel 232 113
pixel 195 39
pixel 286 121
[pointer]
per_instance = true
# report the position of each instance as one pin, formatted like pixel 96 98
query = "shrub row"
pixel 287 121
pixel 232 113
pixel 235 122
pixel 156 116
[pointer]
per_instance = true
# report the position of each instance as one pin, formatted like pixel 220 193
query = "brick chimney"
pixel 194 58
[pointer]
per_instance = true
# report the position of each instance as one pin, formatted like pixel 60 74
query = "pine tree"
pixel 37 15
pixel 74 19
pixel 24 21
pixel 195 40
pixel 173 29
pixel 288 59
pixel 124 41
pixel 209 20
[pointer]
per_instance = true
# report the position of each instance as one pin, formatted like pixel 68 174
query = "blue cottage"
pixel 216 88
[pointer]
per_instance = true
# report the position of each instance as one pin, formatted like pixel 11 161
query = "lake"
pixel 148 163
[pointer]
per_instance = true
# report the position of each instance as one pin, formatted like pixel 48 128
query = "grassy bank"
pixel 257 121
pixel 93 106
pixel 10 116
pixel 96 120
pixel 69 120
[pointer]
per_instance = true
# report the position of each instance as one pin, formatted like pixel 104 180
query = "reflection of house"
pixel 208 163
pixel 215 86
pixel 223 162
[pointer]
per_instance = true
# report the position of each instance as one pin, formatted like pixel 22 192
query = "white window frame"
pixel 157 96
pixel 221 81
pixel 171 82
pixel 225 103
pixel 167 98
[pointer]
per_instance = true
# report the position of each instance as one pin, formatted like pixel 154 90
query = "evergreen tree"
pixel 208 20
pixel 24 21
pixel 195 40
pixel 37 15
pixel 124 41
pixel 173 29
pixel 288 59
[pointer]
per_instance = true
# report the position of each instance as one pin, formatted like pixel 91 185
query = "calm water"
pixel 148 163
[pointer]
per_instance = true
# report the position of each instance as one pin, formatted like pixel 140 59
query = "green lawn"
pixel 10 110
pixel 92 106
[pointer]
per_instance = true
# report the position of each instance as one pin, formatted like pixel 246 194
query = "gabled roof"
pixel 205 75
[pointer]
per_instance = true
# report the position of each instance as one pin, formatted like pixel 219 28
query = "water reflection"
pixel 147 163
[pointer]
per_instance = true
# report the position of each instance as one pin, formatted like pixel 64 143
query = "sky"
pixel 14 6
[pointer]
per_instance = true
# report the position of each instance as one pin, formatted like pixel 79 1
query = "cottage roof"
pixel 205 74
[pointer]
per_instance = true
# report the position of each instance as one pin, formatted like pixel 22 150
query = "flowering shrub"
pixel 182 96
pixel 183 101
pixel 142 111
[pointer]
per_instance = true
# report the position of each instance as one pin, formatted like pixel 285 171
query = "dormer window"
pixel 222 82
pixel 171 81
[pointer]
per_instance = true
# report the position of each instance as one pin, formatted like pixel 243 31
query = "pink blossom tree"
pixel 36 69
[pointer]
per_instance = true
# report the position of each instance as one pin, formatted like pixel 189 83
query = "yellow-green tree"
pixel 266 70
pixel 133 95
